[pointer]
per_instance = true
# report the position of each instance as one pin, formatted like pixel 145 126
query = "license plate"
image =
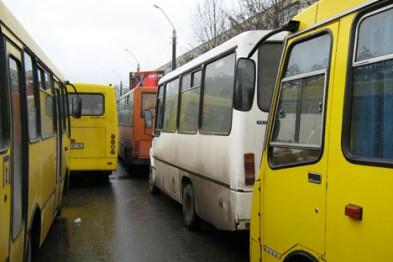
pixel 77 146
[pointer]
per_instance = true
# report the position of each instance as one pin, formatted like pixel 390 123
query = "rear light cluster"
pixel 249 169
pixel 113 144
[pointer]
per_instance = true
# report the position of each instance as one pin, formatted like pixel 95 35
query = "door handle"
pixel 314 178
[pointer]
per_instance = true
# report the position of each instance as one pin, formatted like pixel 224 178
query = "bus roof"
pixel 9 21
pixel 91 88
pixel 325 10
pixel 245 40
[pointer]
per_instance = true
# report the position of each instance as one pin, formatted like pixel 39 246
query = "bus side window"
pixel 189 102
pixel 369 135
pixel 32 99
pixel 160 110
pixel 46 104
pixel 170 106
pixel 218 96
pixel 130 110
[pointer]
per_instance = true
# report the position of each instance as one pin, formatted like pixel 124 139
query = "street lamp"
pixel 173 37
pixel 133 56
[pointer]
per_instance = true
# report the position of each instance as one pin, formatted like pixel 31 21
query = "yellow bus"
pixel 94 142
pixel 34 141
pixel 325 187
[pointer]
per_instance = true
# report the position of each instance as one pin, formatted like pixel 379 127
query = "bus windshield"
pixel 92 104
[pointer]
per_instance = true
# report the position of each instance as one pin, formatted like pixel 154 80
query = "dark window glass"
pixel 16 158
pixel 170 107
pixel 218 96
pixel 268 62
pixel 371 123
pixel 32 110
pixel 189 105
pixel 298 121
pixel 48 121
pixel 160 110
pixel 92 104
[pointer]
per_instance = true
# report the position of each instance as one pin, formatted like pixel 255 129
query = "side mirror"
pixel 245 84
pixel 148 118
pixel 76 106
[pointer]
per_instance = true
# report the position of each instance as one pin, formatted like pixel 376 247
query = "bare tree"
pixel 209 23
pixel 264 14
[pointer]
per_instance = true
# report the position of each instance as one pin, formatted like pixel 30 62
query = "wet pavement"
pixel 122 221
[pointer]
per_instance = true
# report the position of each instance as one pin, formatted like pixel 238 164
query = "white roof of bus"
pixel 11 23
pixel 246 41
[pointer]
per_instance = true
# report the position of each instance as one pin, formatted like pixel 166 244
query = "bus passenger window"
pixel 298 121
pixel 371 117
pixel 32 111
pixel 48 122
pixel 218 96
pixel 268 62
pixel 160 110
pixel 92 104
pixel 189 103
pixel 170 107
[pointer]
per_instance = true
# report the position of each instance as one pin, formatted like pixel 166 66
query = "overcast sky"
pixel 86 38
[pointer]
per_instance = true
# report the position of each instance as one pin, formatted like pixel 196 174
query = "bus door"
pixel 294 185
pixel 59 142
pixel 18 160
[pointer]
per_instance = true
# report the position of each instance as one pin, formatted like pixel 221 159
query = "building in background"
pixel 279 13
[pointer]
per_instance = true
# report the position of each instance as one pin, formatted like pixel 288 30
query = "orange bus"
pixel 134 135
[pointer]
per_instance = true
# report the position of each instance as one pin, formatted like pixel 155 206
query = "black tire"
pixel 152 188
pixel 190 217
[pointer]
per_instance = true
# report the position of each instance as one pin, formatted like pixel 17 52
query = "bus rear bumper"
pixel 93 164
pixel 241 208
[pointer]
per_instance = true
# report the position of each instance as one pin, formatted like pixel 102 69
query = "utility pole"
pixel 173 37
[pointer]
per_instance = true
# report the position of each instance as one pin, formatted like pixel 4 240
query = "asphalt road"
pixel 121 221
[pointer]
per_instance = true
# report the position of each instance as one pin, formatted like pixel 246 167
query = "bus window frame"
pixel 351 64
pixel 145 93
pixel 191 73
pixel 36 92
pixel 178 78
pixel 9 57
pixel 305 36
pixel 157 131
pixel 103 115
pixel 210 61
pixel 5 121
pixel 52 93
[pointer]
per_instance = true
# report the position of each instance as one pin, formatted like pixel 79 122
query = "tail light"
pixel 249 169
pixel 113 144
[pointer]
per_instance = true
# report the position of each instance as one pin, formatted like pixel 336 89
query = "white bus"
pixel 211 113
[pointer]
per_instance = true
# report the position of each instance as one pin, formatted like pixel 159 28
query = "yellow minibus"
pixel 34 141
pixel 325 187
pixel 94 142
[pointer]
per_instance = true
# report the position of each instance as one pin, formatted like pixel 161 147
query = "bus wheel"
pixel 189 214
pixel 152 188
